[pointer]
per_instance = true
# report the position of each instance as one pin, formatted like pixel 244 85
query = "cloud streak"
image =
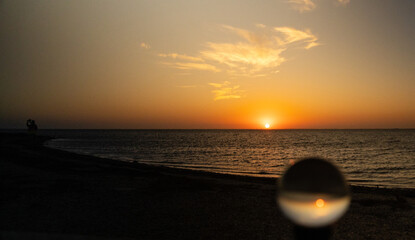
pixel 224 91
pixel 192 66
pixel 181 57
pixel 302 5
pixel 145 45
pixel 256 53
pixel 344 1
pixel 309 5
pixel 293 35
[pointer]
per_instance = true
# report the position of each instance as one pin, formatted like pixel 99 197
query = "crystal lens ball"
pixel 313 193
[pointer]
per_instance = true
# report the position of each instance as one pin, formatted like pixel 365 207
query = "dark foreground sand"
pixel 51 194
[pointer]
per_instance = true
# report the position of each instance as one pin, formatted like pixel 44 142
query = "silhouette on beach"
pixel 31 125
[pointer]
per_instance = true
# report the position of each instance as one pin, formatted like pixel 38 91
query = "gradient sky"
pixel 208 64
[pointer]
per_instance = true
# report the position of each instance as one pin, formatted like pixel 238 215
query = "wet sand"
pixel 52 194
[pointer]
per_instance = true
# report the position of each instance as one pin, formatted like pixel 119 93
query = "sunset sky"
pixel 208 64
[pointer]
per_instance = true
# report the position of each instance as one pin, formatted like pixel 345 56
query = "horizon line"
pixel 126 129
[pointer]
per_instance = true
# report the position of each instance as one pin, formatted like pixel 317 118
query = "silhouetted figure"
pixel 31 125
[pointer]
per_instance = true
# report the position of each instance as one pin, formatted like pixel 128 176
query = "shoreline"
pixel 49 191
pixel 230 175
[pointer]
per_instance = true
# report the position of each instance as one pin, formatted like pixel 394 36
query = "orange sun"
pixel 267 125
pixel 320 203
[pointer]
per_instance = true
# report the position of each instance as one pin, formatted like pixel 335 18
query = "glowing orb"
pixel 313 193
pixel 267 125
pixel 320 203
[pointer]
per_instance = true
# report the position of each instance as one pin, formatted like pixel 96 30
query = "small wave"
pixel 360 180
pixel 170 162
pixel 279 165
pixel 356 172
pixel 389 168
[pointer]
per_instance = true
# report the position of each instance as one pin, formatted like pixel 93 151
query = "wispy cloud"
pixel 226 91
pixel 302 5
pixel 245 57
pixel 293 35
pixel 257 53
pixel 145 45
pixel 181 57
pixel 192 65
pixel 260 25
pixel 343 1
pixel 309 5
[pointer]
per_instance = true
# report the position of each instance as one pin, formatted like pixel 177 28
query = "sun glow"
pixel 267 125
pixel 320 203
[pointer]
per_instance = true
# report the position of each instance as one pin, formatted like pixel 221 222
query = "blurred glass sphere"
pixel 313 193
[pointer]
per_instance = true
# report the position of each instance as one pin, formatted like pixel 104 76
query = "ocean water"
pixel 384 158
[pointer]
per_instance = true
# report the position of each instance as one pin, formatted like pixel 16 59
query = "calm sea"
pixel 383 158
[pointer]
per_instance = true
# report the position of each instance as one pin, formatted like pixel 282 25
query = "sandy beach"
pixel 52 194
